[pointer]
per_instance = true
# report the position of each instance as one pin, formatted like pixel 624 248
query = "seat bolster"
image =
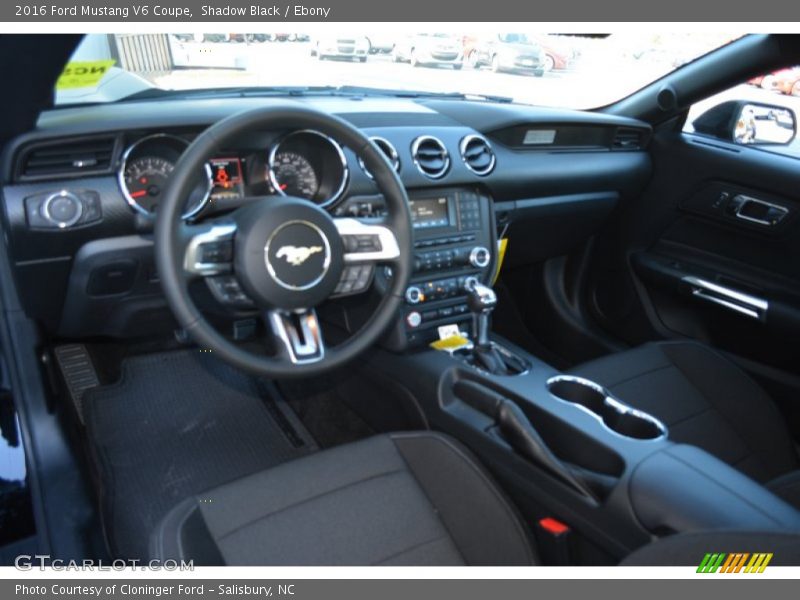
pixel 485 526
pixel 183 535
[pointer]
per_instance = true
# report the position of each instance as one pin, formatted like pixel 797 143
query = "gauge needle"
pixel 283 186
pixel 139 194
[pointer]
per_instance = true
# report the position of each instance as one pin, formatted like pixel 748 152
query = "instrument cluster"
pixel 305 164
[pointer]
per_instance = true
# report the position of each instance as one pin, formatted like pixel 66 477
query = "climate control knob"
pixel 414 295
pixel 480 257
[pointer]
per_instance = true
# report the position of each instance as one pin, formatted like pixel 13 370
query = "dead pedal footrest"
pixel 78 372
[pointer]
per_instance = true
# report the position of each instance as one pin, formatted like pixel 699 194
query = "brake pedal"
pixel 78 372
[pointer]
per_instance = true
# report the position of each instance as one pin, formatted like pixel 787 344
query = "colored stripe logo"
pixel 736 562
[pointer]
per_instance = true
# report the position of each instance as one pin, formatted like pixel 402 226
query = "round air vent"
pixel 430 156
pixel 477 154
pixel 388 150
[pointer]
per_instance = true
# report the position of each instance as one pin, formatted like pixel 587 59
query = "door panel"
pixel 711 251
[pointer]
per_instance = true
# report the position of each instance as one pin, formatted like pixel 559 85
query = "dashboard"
pixel 80 192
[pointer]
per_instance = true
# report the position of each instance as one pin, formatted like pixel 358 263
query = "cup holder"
pixel 598 401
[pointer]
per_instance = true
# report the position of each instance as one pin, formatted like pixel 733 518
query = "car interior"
pixel 397 330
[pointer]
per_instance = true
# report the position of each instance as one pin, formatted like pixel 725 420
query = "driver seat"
pixel 398 499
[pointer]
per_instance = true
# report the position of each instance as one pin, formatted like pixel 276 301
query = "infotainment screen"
pixel 430 212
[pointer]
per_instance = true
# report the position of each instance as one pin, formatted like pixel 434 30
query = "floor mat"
pixel 176 424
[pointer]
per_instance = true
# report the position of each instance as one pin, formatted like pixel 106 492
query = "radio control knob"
pixel 469 283
pixel 414 295
pixel 480 257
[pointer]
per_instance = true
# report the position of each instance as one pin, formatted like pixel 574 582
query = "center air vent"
pixel 388 150
pixel 65 158
pixel 477 154
pixel 627 138
pixel 430 156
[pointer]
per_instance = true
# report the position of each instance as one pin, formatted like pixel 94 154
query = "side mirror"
pixel 748 123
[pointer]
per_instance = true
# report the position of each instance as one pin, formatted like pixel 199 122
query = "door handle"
pixel 734 300
pixel 758 211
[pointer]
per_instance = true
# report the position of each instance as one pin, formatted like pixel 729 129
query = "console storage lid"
pixel 683 488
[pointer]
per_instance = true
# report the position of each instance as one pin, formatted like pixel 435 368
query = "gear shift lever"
pixel 481 302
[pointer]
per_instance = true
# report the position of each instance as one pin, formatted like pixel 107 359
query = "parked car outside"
pixel 430 50
pixel 346 46
pixel 508 52
pixel 380 44
pixel 785 81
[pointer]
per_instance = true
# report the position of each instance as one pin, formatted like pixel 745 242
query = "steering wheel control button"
pixel 355 279
pixel 362 243
pixel 227 290
pixel 413 319
pixel 216 252
pixel 297 255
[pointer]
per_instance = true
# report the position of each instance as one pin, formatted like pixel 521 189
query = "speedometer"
pixel 294 176
pixel 145 180
pixel 308 164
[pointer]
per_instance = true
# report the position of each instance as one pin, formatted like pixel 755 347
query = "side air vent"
pixel 65 158
pixel 627 138
pixel 477 154
pixel 388 150
pixel 430 156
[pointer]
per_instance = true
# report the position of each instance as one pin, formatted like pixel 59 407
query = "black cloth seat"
pixel 414 499
pixel 705 400
pixel 399 499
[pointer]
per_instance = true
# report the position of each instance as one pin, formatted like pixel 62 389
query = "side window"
pixel 762 112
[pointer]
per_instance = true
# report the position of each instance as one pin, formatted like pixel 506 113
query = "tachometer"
pixel 145 180
pixel 145 170
pixel 294 176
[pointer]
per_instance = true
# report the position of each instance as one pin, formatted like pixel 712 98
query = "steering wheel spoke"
pixel 208 248
pixel 366 245
pixel 367 242
pixel 298 336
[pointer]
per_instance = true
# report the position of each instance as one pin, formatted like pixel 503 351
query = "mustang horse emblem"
pixel 297 255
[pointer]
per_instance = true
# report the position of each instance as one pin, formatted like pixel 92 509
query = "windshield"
pixel 563 70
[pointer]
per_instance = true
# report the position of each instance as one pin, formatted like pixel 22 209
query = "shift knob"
pixel 481 301
pixel 481 298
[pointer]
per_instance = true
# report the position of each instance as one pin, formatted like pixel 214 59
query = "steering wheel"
pixel 282 256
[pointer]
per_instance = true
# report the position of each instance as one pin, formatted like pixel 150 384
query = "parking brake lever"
pixel 517 430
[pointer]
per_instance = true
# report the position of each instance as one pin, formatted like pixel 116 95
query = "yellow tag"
pixel 502 244
pixel 454 342
pixel 83 74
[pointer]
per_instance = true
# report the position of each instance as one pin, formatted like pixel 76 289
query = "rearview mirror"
pixel 748 123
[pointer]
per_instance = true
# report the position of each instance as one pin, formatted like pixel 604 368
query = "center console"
pixel 565 447
pixel 454 242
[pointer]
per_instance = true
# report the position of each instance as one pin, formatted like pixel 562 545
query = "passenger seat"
pixel 706 400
